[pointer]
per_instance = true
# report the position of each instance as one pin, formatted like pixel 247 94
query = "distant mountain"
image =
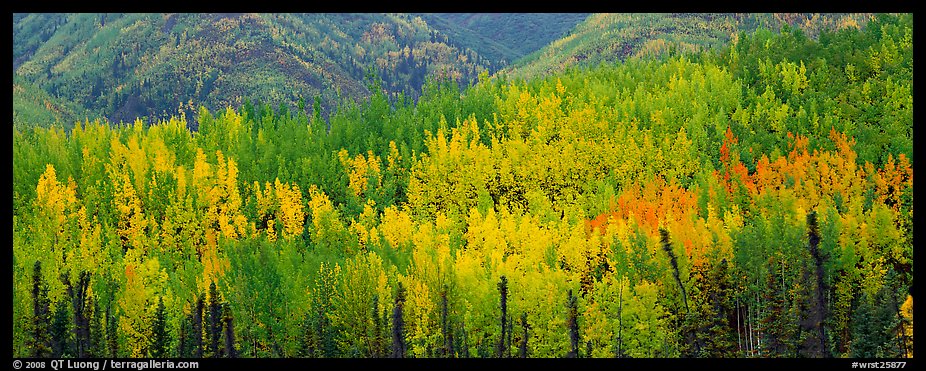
pixel 122 66
pixel 504 37
pixel 610 37
pixel 31 104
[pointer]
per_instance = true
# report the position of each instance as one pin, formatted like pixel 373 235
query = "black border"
pixel 490 7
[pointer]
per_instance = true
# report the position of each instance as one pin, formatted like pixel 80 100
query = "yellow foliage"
pixel 397 227
pixel 360 169
pixel 132 221
pixel 291 212
pixel 53 198
pixel 145 279
pixel 907 312
pixel 214 265
pixel 180 173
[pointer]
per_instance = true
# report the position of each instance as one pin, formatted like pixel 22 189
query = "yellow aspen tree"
pixel 360 169
pixel 136 159
pixel 226 198
pixel 364 226
pixel 56 217
pixel 132 221
pixel 291 213
pixel 397 227
pixel 906 310
pixel 89 255
pixel 145 280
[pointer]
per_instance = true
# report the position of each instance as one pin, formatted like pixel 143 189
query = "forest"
pixel 146 65
pixel 749 200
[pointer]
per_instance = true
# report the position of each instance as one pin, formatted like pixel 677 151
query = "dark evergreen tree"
pixel 376 350
pixel 78 296
pixel 197 335
pixel 778 327
pixel 39 341
pixel 61 332
pixel 504 339
pixel 866 328
pixel 888 314
pixel 230 350
pixel 667 247
pixel 815 344
pixel 215 321
pixel 876 323
pixel 97 344
pixel 572 324
pixel 708 327
pixel 161 342
pixel 398 324
pixel 446 329
pixel 184 346
pixel 522 348
pixel 112 336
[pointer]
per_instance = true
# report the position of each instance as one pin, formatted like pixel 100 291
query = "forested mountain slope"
pixel 504 36
pixel 123 66
pixel 609 37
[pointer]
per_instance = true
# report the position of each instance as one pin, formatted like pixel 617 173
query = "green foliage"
pixel 124 66
pixel 609 37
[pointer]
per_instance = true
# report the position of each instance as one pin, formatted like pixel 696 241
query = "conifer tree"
pixel 160 345
pixel 502 349
pixel 197 335
pixel 522 348
pixel 215 321
pixel 667 247
pixel 79 299
pixel 39 341
pixel 61 332
pixel 813 324
pixel 572 323
pixel 377 341
pixel 398 325
pixel 112 336
pixel 184 346
pixel 230 350
pixel 446 329
pixel 778 329
pixel 97 344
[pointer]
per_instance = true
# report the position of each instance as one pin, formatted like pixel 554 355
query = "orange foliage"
pixel 651 206
pixel 130 272
pixel 812 175
pixel 732 168
pixel 891 180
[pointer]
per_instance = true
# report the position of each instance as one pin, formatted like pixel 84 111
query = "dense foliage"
pixel 504 36
pixel 610 37
pixel 755 201
pixel 124 66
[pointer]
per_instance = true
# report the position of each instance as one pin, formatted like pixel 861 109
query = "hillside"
pixel 610 37
pixel 504 37
pixel 31 104
pixel 123 66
